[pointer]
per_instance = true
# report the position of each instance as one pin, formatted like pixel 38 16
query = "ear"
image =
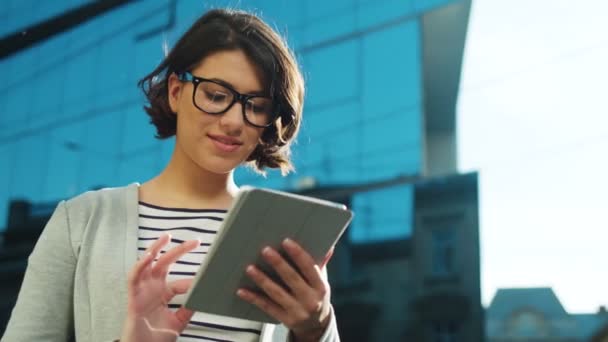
pixel 174 89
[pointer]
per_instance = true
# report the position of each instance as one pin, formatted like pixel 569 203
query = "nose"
pixel 232 120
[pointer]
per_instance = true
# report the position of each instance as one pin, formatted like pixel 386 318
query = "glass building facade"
pixel 71 116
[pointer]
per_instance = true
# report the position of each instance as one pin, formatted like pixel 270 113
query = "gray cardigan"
pixel 76 278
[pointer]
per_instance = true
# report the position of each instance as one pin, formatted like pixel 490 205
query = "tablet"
pixel 258 218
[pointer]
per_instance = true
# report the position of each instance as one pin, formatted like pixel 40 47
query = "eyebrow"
pixel 229 85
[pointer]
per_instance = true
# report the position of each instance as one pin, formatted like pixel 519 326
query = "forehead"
pixel 233 67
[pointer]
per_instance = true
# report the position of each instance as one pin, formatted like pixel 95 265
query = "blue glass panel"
pixel 117 58
pixel 3 114
pixel 391 105
pixel 329 146
pixel 426 5
pixel 79 88
pixel 186 13
pixel 21 66
pixel 155 15
pixel 244 176
pixel 326 9
pixel 98 171
pixel 6 64
pixel 166 150
pixel 139 167
pixel 321 123
pixel 391 132
pixel 349 135
pixel 6 170
pixel 279 13
pixel 14 115
pixel 331 74
pixel 295 36
pixel 104 135
pixel 65 162
pixel 147 55
pixel 375 13
pixel 46 98
pixel 382 214
pixel 30 167
pixel 343 158
pixel 324 29
pixel 391 79
pixel 138 133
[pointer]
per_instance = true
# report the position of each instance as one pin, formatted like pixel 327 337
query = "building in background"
pixel 536 314
pixel 382 83
pixel 423 287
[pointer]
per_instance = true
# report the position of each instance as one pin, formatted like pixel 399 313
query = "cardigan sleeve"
pixel 282 333
pixel 44 308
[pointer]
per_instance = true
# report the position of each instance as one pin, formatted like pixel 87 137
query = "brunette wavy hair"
pixel 225 30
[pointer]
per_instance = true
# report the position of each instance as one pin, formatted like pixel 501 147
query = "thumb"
pixel 177 287
pixel 183 315
pixel 180 286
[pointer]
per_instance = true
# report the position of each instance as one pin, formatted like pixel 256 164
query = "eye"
pixel 259 106
pixel 216 97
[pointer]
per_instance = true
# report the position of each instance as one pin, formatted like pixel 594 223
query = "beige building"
pixel 537 315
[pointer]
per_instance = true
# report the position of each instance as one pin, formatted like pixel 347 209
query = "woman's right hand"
pixel 148 315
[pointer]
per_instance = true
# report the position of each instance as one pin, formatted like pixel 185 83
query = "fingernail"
pixel 250 269
pixel 267 251
pixel 289 242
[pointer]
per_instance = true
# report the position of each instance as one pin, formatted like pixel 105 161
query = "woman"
pixel 105 267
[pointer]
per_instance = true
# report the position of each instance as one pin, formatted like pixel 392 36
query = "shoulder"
pixel 92 199
pixel 107 201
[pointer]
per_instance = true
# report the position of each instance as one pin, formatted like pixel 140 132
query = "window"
pixel 444 331
pixel 382 215
pixel 527 324
pixel 443 252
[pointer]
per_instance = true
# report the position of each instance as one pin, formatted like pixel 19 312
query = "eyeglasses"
pixel 213 97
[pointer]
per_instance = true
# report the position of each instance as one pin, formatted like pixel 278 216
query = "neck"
pixel 183 183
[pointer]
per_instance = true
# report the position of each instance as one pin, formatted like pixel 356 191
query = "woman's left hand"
pixel 305 307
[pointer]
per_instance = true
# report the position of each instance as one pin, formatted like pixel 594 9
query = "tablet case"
pixel 259 218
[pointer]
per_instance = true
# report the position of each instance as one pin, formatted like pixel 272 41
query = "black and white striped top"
pixel 189 224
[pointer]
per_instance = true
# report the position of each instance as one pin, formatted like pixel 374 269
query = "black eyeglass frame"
pixel 237 97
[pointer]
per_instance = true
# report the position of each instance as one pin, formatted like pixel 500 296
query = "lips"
pixel 225 143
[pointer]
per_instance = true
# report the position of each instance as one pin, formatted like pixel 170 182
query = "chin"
pixel 221 166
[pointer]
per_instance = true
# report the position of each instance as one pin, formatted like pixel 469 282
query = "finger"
pixel 264 304
pixel 155 247
pixel 172 255
pixel 287 273
pixel 143 264
pixel 305 263
pixel 273 290
pixel 139 268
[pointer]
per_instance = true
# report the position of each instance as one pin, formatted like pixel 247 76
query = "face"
pixel 216 143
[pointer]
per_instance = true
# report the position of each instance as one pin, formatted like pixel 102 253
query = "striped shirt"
pixel 183 225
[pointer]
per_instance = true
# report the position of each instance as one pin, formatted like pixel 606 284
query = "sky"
pixel 533 120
